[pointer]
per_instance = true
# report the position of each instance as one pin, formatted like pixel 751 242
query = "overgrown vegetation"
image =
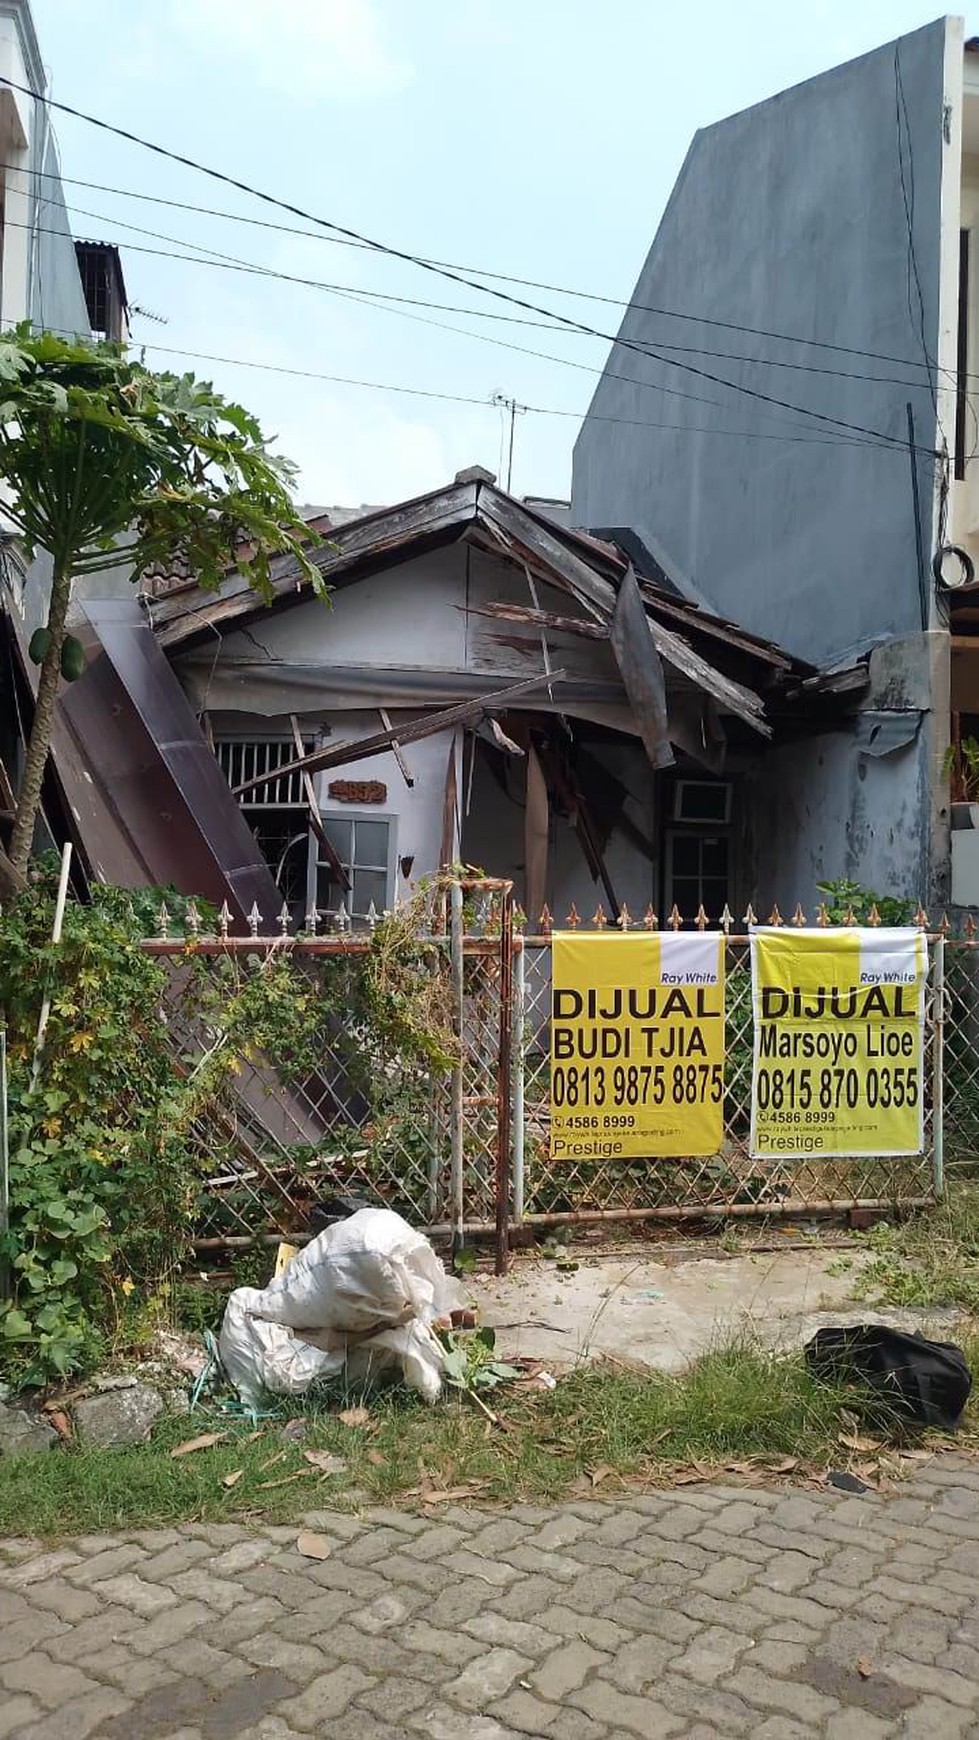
pixel 929 1261
pixel 116 1124
pixel 849 902
pixel 740 1410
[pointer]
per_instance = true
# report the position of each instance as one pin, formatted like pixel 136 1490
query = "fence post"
pixel 503 1083
pixel 458 1113
pixel 938 1069
pixel 519 1001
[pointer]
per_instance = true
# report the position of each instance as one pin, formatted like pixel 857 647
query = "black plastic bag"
pixel 925 1382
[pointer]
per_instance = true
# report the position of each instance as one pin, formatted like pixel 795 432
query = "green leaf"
pixel 15 1326
pixel 486 1337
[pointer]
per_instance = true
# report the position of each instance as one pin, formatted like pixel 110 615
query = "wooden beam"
pixel 427 725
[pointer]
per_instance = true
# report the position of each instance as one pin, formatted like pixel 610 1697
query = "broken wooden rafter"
pixel 427 725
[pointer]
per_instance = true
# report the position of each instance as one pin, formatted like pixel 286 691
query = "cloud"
pixel 311 49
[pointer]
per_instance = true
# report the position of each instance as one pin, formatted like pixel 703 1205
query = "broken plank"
pixel 426 725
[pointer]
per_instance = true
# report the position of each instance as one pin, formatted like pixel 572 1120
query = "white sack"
pixel 261 1357
pixel 360 1298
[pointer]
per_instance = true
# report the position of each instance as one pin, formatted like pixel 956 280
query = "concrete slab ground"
pixel 664 1314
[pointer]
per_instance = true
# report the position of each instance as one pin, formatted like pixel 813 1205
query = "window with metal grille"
pixel 247 758
pixel 365 848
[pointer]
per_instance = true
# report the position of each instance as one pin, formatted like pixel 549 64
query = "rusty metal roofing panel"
pixel 150 804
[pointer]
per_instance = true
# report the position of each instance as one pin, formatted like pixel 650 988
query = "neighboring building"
pixel 822 249
pixel 45 277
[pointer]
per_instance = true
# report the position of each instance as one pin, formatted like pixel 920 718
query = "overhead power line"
pixel 487 402
pixel 484 272
pixel 231 262
pixel 409 258
pixel 403 313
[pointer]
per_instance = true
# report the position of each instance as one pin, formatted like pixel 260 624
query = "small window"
pixel 702 800
pixel 365 848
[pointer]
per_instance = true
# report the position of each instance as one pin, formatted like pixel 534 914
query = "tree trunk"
pixel 29 795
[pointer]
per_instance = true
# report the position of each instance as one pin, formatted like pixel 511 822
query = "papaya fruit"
pixel 72 658
pixel 38 646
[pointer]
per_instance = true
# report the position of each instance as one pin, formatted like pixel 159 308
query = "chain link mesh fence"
pixel 345 1114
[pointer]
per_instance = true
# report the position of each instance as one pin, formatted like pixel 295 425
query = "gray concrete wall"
pixel 788 217
pixel 57 300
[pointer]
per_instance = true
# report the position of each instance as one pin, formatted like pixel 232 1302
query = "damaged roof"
pixel 719 658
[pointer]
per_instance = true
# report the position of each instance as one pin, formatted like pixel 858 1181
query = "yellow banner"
pixel 839 1020
pixel 637 1045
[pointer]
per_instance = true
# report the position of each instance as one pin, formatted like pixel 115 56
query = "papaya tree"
pixel 105 464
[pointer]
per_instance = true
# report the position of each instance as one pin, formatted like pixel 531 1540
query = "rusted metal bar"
pixel 938 1068
pixel 725 1210
pixel 503 1075
pixel 458 1071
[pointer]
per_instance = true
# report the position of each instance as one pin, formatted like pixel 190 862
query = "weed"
pixel 739 1401
pixel 931 1260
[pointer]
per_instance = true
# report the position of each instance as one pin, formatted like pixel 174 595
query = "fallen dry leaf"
pixel 326 1463
pixel 314 1546
pixel 865 1667
pixel 854 1441
pixel 375 1459
pixel 270 1461
pixel 602 1472
pixel 232 1479
pixel 61 1423
pixel 355 1417
pixel 294 1430
pixel 204 1442
pixel 287 1479
pixel 786 1466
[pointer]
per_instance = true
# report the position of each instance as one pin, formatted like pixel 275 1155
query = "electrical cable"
pixel 485 272
pixel 234 262
pixel 539 355
pixel 455 277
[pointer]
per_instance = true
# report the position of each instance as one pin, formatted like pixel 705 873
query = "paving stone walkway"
pixel 701 1612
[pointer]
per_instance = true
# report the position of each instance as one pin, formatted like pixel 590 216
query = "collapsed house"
pixel 484 686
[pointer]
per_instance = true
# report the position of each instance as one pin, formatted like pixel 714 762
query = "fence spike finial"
pixel 546 921
pixel 224 920
pixel 312 921
pixel 727 919
pixel 373 918
pixel 873 916
pixel 799 918
pixel 573 921
pixel 599 919
pixel 254 919
pixel 163 920
pixel 970 928
pixel 921 917
pixel 674 921
pixel 285 919
pixel 651 920
pixel 749 916
pixel 775 918
pixel 701 919
pixel 822 916
pixel 193 918
pixel 343 917
pixel 944 927
pixel 849 917
pixel 625 917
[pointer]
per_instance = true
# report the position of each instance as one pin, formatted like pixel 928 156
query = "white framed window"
pixel 702 800
pixel 365 844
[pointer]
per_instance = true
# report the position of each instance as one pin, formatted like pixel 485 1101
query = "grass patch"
pixel 931 1260
pixel 739 1403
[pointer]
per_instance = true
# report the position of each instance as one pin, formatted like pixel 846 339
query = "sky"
pixel 536 138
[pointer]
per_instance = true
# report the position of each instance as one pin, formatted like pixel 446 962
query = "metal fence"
pixel 468 1149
